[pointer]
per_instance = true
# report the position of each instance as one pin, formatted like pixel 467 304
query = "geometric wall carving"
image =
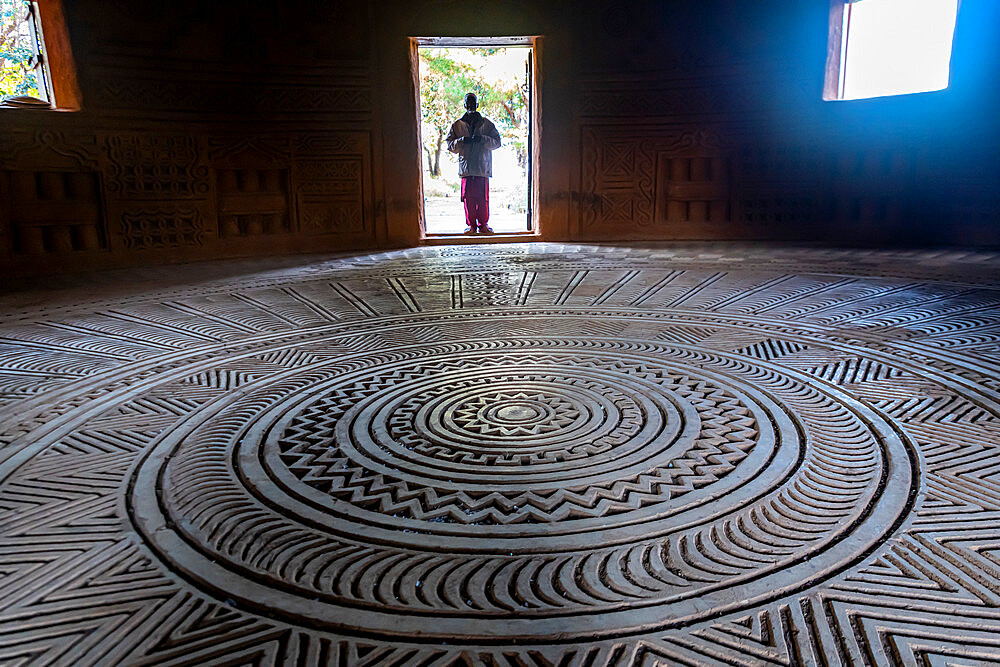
pixel 155 166
pixel 155 228
pixel 778 185
pixel 316 145
pixel 693 188
pixel 663 181
pixel 248 150
pixel 62 151
pixel 617 180
pixel 231 97
pixel 64 194
pixel 167 111
pixel 868 186
pixel 331 218
pixel 55 212
pixel 324 100
pixel 693 181
pixel 252 202
pixel 661 103
pixel 641 182
pixel 330 194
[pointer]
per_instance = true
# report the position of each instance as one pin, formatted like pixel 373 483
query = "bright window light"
pixel 22 61
pixel 895 47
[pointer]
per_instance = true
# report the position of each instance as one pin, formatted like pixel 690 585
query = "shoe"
pixel 485 229
pixel 469 231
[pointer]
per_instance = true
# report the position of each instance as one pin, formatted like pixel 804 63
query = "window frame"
pixel 535 44
pixel 54 56
pixel 835 81
pixel 41 67
pixel 836 51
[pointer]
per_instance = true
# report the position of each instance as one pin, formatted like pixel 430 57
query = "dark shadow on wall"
pixel 242 129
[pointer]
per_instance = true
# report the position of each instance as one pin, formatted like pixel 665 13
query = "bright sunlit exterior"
pixel 499 76
pixel 895 47
pixel 21 67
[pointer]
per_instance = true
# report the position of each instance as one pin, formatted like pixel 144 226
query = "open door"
pixel 500 72
pixel 529 70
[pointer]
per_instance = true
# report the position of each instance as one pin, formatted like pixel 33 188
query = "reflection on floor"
pixel 518 455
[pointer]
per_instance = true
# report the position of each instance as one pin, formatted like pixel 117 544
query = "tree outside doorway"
pixel 499 78
pixel 20 70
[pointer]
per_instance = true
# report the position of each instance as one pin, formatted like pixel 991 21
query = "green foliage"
pixel 443 86
pixel 444 81
pixel 17 50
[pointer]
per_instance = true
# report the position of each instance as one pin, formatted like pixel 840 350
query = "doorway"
pixel 500 72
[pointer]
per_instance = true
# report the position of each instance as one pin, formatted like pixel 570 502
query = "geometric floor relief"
pixel 533 454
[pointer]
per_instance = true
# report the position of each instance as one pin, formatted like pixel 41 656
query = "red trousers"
pixel 476 195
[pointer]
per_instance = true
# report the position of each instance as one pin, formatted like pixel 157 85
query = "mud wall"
pixel 237 129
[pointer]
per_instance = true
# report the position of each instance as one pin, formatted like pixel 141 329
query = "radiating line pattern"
pixel 507 455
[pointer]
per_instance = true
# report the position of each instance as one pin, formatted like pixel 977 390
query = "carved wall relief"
pixel 868 186
pixel 252 202
pixel 193 147
pixel 155 166
pixel 51 150
pixel 340 99
pixel 333 184
pixel 158 228
pixel 236 152
pixel 55 212
pixel 68 195
pixel 778 185
pixel 315 145
pixel 613 167
pixel 658 181
pixel 143 89
pixel 670 182
pixel 159 190
pixel 330 194
pixel 693 181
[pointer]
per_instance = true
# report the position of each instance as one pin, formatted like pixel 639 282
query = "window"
pixel 22 52
pixel 889 47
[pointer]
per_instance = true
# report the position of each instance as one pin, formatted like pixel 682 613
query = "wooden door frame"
pixel 534 42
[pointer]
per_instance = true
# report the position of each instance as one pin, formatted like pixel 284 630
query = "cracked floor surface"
pixel 532 454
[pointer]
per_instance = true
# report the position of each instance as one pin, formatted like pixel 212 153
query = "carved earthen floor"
pixel 506 455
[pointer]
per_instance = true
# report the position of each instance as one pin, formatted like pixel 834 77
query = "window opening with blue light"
pixel 889 47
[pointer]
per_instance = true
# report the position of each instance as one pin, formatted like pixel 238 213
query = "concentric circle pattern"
pixel 521 455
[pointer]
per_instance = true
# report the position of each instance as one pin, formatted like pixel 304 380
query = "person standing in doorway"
pixel 474 138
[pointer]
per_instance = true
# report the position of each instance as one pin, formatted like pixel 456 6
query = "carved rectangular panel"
pixel 55 212
pixel 331 195
pixel 779 186
pixel 773 209
pixel 154 91
pixel 252 202
pixel 868 186
pixel 155 166
pixel 161 227
pixel 654 183
pixel 694 186
pixel 617 171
